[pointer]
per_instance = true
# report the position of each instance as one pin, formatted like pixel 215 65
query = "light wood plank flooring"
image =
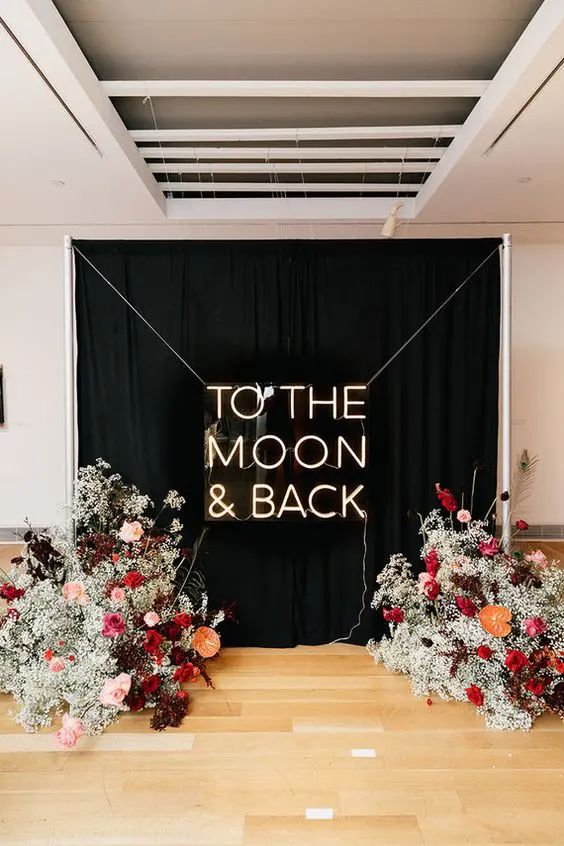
pixel 276 738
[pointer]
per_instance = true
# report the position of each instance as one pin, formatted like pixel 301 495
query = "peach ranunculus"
pixel 69 732
pixel 115 690
pixel 537 557
pixel 56 665
pixel 75 592
pixel 151 619
pixel 117 594
pixel 463 516
pixel 131 532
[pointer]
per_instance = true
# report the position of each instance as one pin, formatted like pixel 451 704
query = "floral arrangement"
pixel 479 624
pixel 109 617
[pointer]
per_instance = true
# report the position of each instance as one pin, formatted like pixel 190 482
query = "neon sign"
pixel 285 452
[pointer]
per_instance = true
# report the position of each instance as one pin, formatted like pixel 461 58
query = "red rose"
pixel 484 652
pixel 393 615
pixel 475 695
pixel 172 631
pixel 515 660
pixel 432 562
pixel 466 606
pixel 133 579
pixel 446 498
pixel 184 673
pixel 11 592
pixel 152 641
pixel 115 557
pixel 522 524
pixel 151 684
pixel 177 655
pixel 71 657
pixel 183 619
pixel 535 686
pixel 431 588
pixel 489 548
pixel 136 701
pixel 48 654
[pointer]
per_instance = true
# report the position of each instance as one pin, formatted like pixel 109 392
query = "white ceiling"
pixel 41 145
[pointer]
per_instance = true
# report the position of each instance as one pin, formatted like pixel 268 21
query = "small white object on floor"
pixel 363 753
pixel 319 814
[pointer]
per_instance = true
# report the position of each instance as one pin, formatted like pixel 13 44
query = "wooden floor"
pixel 283 732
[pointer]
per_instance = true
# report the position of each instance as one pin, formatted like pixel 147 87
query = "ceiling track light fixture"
pixel 389 228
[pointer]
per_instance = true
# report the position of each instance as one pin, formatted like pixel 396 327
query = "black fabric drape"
pixel 308 311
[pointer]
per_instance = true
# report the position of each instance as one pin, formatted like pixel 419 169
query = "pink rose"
pixel 115 690
pixel 70 732
pixel 534 626
pixel 131 532
pixel 113 625
pixel 117 594
pixel 75 592
pixel 463 516
pixel 56 665
pixel 151 619
pixel 537 557
pixel 428 586
pixel 489 548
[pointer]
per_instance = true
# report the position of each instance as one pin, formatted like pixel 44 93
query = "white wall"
pixel 31 349
pixel 32 353
pixel 538 372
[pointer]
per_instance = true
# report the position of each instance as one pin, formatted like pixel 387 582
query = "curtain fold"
pixel 316 312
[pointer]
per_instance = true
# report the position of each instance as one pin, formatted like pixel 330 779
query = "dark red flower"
pixel 136 701
pixel 10 592
pixel 432 562
pixel 484 652
pixel 466 606
pixel 177 655
pixel 535 686
pixel 489 548
pixel 393 615
pixel 172 631
pixel 71 657
pixel 522 525
pixel 475 695
pixel 151 684
pixel 183 619
pixel 133 579
pixel 515 660
pixel 48 654
pixel 446 498
pixel 153 640
pixel 184 673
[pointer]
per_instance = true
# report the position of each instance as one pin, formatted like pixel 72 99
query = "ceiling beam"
pixel 293 167
pixel 269 153
pixel 307 133
pixel 294 88
pixel 287 209
pixel 290 187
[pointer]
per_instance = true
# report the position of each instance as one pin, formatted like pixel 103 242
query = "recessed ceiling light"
pixel 525 179
pixel 58 183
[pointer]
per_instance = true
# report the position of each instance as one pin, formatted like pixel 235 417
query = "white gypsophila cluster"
pixel 437 645
pixel 54 655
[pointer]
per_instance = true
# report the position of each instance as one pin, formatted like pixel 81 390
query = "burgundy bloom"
pixel 393 615
pixel 535 686
pixel 135 701
pixel 151 684
pixel 153 640
pixel 10 592
pixel 177 655
pixel 183 619
pixel 489 548
pixel 466 606
pixel 522 525
pixel 515 660
pixel 172 631
pixel 184 673
pixel 432 562
pixel 475 695
pixel 484 652
pixel 446 498
pixel 133 579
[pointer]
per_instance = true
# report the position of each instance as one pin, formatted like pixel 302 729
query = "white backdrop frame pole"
pixel 506 388
pixel 70 371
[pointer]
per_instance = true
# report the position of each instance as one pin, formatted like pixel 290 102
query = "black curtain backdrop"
pixel 313 311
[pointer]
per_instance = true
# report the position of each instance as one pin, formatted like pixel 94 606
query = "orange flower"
pixel 206 642
pixel 495 620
